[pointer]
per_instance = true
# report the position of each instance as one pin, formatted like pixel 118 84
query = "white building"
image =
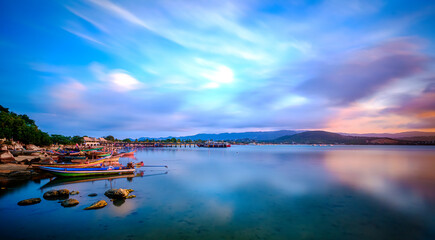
pixel 90 141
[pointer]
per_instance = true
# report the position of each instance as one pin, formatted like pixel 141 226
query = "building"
pixel 90 141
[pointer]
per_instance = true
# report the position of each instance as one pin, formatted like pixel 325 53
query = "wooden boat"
pixel 97 162
pixel 74 157
pixel 131 153
pixel 92 149
pixel 76 172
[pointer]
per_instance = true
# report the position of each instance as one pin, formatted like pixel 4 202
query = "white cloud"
pixel 117 80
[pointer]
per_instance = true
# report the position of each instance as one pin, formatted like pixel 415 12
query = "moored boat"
pixel 97 162
pixel 214 144
pixel 73 172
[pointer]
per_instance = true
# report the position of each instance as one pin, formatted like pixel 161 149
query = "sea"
pixel 241 192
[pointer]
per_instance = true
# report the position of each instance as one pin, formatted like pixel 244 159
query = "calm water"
pixel 244 192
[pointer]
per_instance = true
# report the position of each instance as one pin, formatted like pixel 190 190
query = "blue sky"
pixel 159 68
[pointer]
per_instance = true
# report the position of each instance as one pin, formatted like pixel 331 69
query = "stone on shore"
pixel 97 205
pixel 29 201
pixel 70 202
pixel 32 147
pixel 6 157
pixel 56 194
pixel 74 193
pixel 117 193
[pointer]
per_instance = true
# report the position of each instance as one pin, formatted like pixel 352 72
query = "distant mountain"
pixel 323 137
pixel 419 139
pixel 393 135
pixel 258 136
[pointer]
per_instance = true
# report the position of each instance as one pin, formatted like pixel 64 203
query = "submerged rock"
pixel 97 205
pixel 74 193
pixel 117 193
pixel 92 195
pixel 56 194
pixel 29 201
pixel 20 174
pixel 70 202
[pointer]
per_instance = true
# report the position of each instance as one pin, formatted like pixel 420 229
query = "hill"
pixel 258 136
pixel 323 137
pixel 400 135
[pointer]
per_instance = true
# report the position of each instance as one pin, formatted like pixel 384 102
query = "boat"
pixel 92 149
pixel 74 157
pixel 125 154
pixel 210 144
pixel 97 162
pixel 77 172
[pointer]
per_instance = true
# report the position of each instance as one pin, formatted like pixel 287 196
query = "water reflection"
pixel 248 192
pixel 404 180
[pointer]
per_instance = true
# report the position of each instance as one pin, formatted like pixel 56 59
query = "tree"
pixel 110 138
pixel 127 140
pixel 77 140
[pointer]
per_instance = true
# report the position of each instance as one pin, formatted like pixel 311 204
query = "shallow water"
pixel 244 192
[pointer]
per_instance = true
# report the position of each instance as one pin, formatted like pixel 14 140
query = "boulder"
pixel 92 195
pixel 32 147
pixel 6 156
pixel 97 205
pixel 70 202
pixel 131 196
pixel 117 193
pixel 3 148
pixel 29 201
pixel 56 194
pixel 74 193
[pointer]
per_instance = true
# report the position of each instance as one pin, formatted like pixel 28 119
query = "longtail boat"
pixel 131 153
pixel 74 157
pixel 99 161
pixel 92 149
pixel 75 172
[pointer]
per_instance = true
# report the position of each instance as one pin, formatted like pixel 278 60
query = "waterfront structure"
pixel 90 141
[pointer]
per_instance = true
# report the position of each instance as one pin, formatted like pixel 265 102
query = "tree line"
pixel 19 127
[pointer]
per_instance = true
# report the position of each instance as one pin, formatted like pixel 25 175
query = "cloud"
pixel 364 72
pixel 118 80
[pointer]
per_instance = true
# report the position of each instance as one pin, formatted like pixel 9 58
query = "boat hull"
pixel 86 172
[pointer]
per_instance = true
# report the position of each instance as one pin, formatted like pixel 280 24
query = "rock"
pixel 32 147
pixel 130 190
pixel 70 202
pixel 56 194
pixel 117 193
pixel 29 201
pixel 131 196
pixel 97 205
pixel 35 154
pixel 20 174
pixel 74 193
pixel 6 156
pixel 92 195
pixel 3 148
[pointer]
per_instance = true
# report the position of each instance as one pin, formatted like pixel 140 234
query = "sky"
pixel 176 68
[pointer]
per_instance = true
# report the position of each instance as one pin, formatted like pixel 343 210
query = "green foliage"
pixel 21 128
pixel 128 140
pixel 110 138
pixel 66 140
